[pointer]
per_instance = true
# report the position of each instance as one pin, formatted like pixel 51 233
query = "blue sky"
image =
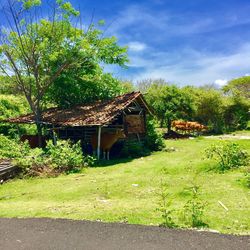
pixel 183 41
pixel 186 42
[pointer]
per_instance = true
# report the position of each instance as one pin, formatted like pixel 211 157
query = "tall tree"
pixel 37 51
pixel 83 87
pixel 210 106
pixel 239 86
pixel 144 84
pixel 169 103
pixel 236 114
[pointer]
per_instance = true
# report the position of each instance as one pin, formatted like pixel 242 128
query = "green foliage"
pixel 236 114
pixel 11 106
pixel 194 209
pixel 7 87
pixel 27 4
pixel 68 8
pixel 137 204
pixel 164 208
pixel 206 105
pixel 169 102
pixel 239 86
pixel 247 177
pixel 63 157
pixel 228 155
pixel 63 56
pixel 32 161
pixel 12 148
pixel 133 149
pixel 66 156
pixel 83 87
pixel 153 140
pixel 209 109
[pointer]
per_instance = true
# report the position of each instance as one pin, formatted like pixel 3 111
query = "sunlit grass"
pixel 126 191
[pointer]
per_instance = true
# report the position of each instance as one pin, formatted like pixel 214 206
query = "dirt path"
pixel 67 234
pixel 236 137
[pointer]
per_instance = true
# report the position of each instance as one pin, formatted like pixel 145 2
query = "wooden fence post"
pixel 99 142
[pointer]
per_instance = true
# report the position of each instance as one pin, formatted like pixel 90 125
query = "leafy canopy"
pixel 239 86
pixel 44 53
pixel 169 102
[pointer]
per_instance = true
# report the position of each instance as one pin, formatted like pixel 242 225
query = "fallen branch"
pixel 223 205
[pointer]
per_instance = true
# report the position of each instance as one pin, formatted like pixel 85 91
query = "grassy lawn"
pixel 109 193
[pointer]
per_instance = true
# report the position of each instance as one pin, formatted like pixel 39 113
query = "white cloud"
pixel 137 46
pixel 221 82
pixel 194 67
pixel 184 65
pixel 165 24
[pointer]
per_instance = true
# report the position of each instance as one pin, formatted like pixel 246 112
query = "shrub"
pixel 32 163
pixel 153 140
pixel 228 155
pixel 164 207
pixel 133 149
pixel 11 148
pixel 194 209
pixel 12 106
pixel 236 114
pixel 246 178
pixel 64 157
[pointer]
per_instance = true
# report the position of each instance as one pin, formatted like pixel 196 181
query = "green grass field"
pixel 127 191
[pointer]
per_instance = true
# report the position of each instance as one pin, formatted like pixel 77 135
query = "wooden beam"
pixel 99 142
pixel 54 136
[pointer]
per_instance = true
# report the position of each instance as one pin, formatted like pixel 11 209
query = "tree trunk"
pixel 39 133
pixel 38 118
pixel 169 125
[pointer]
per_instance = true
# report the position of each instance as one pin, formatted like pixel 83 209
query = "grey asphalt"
pixel 68 234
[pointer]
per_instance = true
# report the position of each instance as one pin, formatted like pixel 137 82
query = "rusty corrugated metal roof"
pixel 98 113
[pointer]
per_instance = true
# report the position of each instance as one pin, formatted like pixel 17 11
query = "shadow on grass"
pixel 108 163
pixel 114 161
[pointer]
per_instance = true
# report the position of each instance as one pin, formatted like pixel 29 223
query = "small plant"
pixel 194 209
pixel 53 160
pixel 228 155
pixel 133 149
pixel 246 178
pixel 164 207
pixel 66 156
pixel 11 148
pixel 153 140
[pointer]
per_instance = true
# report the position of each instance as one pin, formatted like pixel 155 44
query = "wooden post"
pixel 99 142
pixel 54 138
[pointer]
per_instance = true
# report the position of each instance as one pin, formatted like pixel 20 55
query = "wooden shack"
pixel 127 112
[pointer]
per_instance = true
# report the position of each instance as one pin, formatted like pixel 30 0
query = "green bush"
pixel 236 114
pixel 227 155
pixel 246 178
pixel 54 159
pixel 164 208
pixel 32 163
pixel 12 148
pixel 194 209
pixel 133 149
pixel 66 156
pixel 153 140
pixel 12 106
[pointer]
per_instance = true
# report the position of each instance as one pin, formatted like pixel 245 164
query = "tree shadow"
pixel 115 161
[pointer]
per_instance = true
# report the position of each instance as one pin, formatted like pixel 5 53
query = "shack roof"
pixel 96 114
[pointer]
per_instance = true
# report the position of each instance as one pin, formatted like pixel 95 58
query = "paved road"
pixel 67 234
